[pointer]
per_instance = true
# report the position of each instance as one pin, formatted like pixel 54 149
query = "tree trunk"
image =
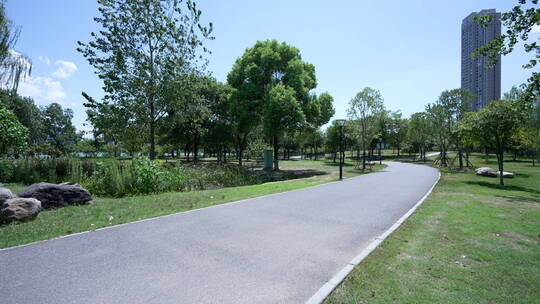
pixel 195 150
pixel 152 135
pixel 276 154
pixel 364 159
pixel 500 161
pixel 460 154
pixel 240 141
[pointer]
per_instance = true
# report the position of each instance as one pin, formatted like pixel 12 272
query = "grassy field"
pixel 104 212
pixel 472 241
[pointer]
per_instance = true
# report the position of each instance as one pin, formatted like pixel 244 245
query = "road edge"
pixel 337 279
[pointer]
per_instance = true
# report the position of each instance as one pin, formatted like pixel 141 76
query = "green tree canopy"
pixel 519 23
pixel 143 45
pixel 281 112
pixel 495 125
pixel 27 113
pixel 14 66
pixel 365 111
pixel 13 134
pixel 419 132
pixel 254 75
pixel 61 134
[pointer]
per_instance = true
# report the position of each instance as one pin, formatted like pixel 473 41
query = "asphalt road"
pixel 279 248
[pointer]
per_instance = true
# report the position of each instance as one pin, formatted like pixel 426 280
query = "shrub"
pixel 120 178
pixel 148 176
pixel 110 179
pixel 7 170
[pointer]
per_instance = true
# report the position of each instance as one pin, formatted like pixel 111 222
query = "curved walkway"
pixel 279 248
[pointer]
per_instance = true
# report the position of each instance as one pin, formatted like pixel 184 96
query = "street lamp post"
pixel 341 123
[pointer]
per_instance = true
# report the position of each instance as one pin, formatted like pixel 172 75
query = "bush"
pixel 150 177
pixel 121 178
pixel 109 179
pixel 7 170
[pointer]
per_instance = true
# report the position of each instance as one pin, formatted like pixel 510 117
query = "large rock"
pixel 19 209
pixel 506 174
pixel 5 194
pixel 486 171
pixel 53 195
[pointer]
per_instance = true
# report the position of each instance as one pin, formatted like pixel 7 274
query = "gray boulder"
pixel 19 209
pixel 5 194
pixel 486 171
pixel 53 195
pixel 506 174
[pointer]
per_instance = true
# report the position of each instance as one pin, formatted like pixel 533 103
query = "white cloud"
pixel 42 89
pixel 45 59
pixel 65 69
pixel 535 28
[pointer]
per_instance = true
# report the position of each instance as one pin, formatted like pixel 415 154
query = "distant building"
pixel 484 83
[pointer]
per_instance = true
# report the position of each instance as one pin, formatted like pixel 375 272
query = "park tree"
pixel 364 111
pixel 397 130
pixel 519 23
pixel 254 75
pixel 419 132
pixel 199 105
pixel 527 138
pixel 87 147
pixel 61 134
pixel 333 140
pixel 142 46
pixel 495 125
pixel 12 133
pixel 111 124
pixel 319 109
pixel 282 113
pixel 533 130
pixel 445 113
pixel 14 66
pixel 219 137
pixel 28 114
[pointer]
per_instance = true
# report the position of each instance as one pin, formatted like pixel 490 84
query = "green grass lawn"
pixel 471 241
pixel 104 212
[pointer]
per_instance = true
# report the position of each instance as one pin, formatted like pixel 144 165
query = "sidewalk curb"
pixel 329 286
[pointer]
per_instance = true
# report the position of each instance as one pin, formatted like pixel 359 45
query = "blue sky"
pixel 409 50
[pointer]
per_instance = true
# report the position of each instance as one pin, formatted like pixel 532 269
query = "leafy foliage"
pixel 144 45
pixel 495 125
pixel 519 23
pixel 365 111
pixel 14 66
pixel 13 134
pixel 265 74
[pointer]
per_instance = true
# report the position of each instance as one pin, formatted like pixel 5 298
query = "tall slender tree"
pixel 364 109
pixel 142 46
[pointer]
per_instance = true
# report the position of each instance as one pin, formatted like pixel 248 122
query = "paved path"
pixel 275 249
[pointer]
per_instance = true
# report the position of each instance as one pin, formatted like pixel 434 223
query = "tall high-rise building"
pixel 484 83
